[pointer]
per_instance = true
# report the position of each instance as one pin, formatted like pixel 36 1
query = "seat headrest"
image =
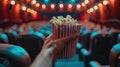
pixel 39 35
pixel 114 55
pixel 4 38
pixel 15 54
pixel 116 48
pixel 31 43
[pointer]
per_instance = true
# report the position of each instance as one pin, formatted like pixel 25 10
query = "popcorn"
pixel 68 16
pixel 60 20
pixel 54 17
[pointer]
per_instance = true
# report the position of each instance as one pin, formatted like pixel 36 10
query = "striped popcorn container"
pixel 61 31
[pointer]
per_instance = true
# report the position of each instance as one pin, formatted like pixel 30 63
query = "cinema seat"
pixel 99 50
pixel 91 35
pixel 78 48
pixel 13 56
pixel 11 37
pixel 115 56
pixel 4 38
pixel 85 39
pixel 46 32
pixel 115 35
pixel 32 43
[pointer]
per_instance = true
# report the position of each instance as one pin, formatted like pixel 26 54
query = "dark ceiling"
pixel 63 1
pixel 58 1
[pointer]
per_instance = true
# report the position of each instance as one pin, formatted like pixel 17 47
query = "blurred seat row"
pixel 20 45
pixel 98 45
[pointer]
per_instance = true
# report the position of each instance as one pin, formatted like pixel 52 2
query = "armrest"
pixel 85 52
pixel 79 45
pixel 86 56
pixel 94 64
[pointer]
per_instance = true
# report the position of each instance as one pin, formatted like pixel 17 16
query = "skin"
pixel 50 48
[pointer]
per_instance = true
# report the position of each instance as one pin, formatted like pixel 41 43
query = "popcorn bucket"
pixel 61 31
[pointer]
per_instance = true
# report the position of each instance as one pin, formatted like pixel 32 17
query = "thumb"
pixel 50 49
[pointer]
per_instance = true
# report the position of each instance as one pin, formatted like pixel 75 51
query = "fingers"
pixel 66 38
pixel 47 39
pixel 50 50
pixel 49 36
pixel 48 44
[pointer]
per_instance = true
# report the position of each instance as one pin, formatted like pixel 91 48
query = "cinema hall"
pixel 59 33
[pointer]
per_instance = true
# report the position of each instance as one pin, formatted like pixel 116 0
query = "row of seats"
pixel 94 48
pixel 96 45
pixel 30 40
pixel 13 56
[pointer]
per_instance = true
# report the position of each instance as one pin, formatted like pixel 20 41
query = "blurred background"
pixel 25 23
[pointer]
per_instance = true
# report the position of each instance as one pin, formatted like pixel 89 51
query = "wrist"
pixel 45 53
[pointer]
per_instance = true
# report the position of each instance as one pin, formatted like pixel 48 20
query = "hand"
pixel 49 50
pixel 52 46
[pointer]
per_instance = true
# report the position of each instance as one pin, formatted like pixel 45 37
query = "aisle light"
pixel 99 4
pixel 86 1
pixel 24 8
pixel 105 2
pixel 61 5
pixel 83 4
pixel 95 7
pixel 31 11
pixel 33 1
pixel 43 6
pixel 78 5
pixel 91 9
pixel 37 4
pixel 52 6
pixel 12 2
pixel 69 5
pixel 88 11
pixel 28 9
pixel 34 12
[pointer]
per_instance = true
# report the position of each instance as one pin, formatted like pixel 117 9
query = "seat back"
pixel 85 40
pixel 115 35
pixel 13 56
pixel 31 43
pixel 11 38
pixel 115 56
pixel 100 49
